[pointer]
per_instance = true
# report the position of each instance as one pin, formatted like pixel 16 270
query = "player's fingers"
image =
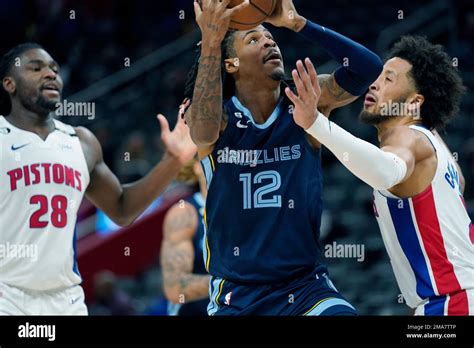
pixel 224 3
pixel 298 83
pixel 313 75
pixel 207 4
pixel 238 8
pixel 197 8
pixel 293 97
pixel 303 75
pixel 184 104
pixel 165 127
pixel 180 120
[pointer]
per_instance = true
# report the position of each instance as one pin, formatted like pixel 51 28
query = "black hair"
pixel 228 84
pixel 6 63
pixel 434 76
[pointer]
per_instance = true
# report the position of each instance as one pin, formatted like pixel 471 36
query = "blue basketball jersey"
pixel 264 205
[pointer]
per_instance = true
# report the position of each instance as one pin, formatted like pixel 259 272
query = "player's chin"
pixel 277 73
pixel 48 103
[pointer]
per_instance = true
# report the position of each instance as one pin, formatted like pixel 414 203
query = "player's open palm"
pixel 309 91
pixel 178 142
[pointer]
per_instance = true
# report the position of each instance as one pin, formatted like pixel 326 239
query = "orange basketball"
pixel 253 15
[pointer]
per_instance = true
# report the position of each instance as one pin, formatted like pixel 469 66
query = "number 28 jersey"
pixel 42 186
pixel 263 208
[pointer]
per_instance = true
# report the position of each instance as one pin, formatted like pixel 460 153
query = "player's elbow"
pixel 123 221
pixel 205 136
pixel 375 67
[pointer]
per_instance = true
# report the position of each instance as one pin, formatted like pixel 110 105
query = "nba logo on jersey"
pixel 227 298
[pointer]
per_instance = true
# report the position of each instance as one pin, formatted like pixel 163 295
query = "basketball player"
pixel 418 186
pixel 185 278
pixel 46 167
pixel 263 209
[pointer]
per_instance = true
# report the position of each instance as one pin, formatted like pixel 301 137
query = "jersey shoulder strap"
pixel 65 128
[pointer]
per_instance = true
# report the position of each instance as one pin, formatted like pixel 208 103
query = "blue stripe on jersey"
pixel 207 168
pixel 435 306
pixel 406 233
pixel 75 269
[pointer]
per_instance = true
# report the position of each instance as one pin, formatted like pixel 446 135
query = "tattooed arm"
pixel 177 256
pixel 205 118
pixel 359 66
pixel 333 96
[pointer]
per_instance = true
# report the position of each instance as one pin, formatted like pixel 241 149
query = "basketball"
pixel 253 15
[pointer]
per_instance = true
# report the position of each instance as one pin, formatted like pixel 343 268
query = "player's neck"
pixel 260 101
pixel 31 121
pixel 386 126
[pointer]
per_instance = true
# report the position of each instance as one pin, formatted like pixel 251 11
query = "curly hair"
pixel 6 63
pixel 434 76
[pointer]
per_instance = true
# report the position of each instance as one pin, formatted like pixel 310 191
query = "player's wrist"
pixel 211 45
pixel 320 123
pixel 172 161
pixel 298 23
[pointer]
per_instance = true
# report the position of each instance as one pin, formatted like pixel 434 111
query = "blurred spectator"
pixel 109 300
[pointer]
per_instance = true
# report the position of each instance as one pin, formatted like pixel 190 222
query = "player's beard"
pixel 374 119
pixel 278 74
pixel 45 104
pixel 41 105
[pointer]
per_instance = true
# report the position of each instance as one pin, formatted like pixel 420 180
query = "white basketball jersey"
pixel 42 186
pixel 430 238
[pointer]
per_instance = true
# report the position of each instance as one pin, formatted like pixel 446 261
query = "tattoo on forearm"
pixel 177 273
pixel 329 83
pixel 207 96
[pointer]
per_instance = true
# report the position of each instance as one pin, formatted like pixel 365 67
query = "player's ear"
pixel 414 104
pixel 231 65
pixel 9 84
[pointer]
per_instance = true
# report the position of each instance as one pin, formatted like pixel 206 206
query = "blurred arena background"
pixel 158 38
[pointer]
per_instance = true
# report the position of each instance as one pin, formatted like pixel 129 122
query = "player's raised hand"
pixel 178 142
pixel 309 91
pixel 285 15
pixel 213 18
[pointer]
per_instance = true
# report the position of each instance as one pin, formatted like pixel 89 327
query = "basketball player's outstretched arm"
pixel 177 256
pixel 395 160
pixel 124 203
pixel 205 118
pixel 359 66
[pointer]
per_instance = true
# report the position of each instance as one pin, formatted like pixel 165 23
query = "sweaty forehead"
pixel 36 54
pixel 260 29
pixel 398 66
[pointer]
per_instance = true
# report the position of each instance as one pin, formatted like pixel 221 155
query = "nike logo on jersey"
pixel 74 300
pixel 14 148
pixel 239 123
